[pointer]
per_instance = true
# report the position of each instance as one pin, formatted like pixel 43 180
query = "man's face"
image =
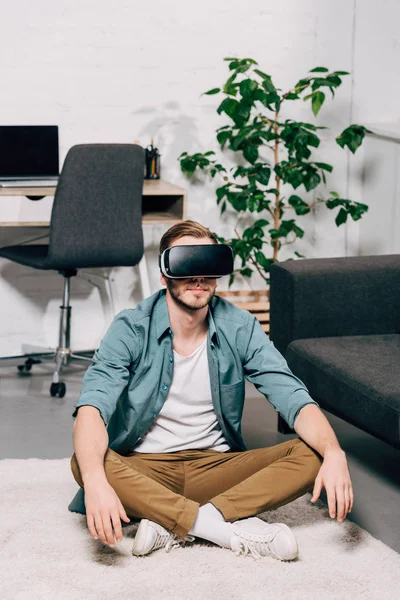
pixel 192 293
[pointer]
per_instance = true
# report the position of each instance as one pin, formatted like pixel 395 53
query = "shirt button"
pixel 164 387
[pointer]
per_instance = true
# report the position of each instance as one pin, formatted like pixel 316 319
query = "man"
pixel 157 432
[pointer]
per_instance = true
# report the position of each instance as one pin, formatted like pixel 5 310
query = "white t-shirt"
pixel 187 420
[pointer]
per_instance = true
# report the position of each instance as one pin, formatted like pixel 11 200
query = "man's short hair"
pixel 183 228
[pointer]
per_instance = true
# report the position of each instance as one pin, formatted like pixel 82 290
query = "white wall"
pixel 128 70
pixel 375 102
pixel 380 228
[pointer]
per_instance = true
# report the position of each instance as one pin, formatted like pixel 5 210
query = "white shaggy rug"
pixel 47 553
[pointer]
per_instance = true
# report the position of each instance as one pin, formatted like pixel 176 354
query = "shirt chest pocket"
pixel 232 401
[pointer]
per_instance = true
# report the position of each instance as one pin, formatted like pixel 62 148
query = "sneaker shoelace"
pixel 254 544
pixel 170 540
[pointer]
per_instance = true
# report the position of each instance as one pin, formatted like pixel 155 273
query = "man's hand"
pixel 335 477
pixel 103 511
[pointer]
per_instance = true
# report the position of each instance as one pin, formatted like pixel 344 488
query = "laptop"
pixel 28 155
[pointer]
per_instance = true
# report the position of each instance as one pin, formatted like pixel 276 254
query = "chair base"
pixel 61 356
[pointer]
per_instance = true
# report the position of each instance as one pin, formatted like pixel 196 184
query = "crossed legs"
pixel 169 488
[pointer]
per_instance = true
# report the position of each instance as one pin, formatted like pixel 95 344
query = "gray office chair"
pixel 96 221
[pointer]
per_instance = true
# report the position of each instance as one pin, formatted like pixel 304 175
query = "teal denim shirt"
pixel 131 373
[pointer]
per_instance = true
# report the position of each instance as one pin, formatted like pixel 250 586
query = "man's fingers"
pixel 346 500
pixel 100 527
pixel 108 530
pixel 91 527
pixel 341 503
pixel 331 503
pixel 317 490
pixel 351 497
pixel 122 512
pixel 98 523
pixel 116 521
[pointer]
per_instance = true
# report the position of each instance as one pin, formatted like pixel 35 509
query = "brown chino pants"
pixel 169 488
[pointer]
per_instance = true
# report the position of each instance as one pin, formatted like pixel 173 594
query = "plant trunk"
pixel 278 188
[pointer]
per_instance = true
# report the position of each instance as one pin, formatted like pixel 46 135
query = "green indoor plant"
pixel 257 187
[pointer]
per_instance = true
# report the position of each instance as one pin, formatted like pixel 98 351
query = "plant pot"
pixel 255 301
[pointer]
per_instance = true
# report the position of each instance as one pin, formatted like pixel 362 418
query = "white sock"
pixel 210 525
pixel 211 511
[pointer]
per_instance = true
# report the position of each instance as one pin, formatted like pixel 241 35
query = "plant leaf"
pixel 261 73
pixel 247 272
pixel 341 217
pixel 228 106
pixel 292 96
pixel 317 101
pixel 300 207
pixel 260 223
pixel 263 261
pixel 223 137
pixel 221 192
pixel 268 85
pixel 247 86
pixel 251 153
pixel 352 137
pixel 324 166
pixel 263 175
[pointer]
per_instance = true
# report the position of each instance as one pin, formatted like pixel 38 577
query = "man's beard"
pixel 195 303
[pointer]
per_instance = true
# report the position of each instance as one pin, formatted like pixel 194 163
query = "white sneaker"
pixel 152 536
pixel 258 538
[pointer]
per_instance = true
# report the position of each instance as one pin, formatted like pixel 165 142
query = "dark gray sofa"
pixel 337 322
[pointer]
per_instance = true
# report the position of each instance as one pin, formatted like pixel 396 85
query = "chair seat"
pixel 353 375
pixel 31 256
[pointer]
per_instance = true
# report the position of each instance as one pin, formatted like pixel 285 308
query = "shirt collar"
pixel 163 323
pixel 211 322
pixel 162 315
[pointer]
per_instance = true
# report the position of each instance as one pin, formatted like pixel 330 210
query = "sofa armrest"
pixel 326 297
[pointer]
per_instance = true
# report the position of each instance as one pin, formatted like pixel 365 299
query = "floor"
pixel 34 425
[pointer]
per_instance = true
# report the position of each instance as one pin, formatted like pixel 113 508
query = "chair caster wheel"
pixel 58 389
pixel 27 366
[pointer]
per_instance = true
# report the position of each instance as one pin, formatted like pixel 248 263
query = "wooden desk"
pixel 163 203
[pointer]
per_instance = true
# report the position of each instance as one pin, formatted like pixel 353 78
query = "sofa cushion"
pixel 356 378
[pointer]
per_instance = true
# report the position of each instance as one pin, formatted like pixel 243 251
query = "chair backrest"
pixel 96 219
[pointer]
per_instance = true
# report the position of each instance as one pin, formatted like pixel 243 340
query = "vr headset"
pixel 202 260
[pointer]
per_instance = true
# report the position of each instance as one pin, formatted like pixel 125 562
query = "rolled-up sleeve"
pixel 267 369
pixel 109 373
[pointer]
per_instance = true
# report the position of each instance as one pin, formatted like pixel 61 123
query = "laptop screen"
pixel 28 151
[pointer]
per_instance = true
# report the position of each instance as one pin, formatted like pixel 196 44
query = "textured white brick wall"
pixel 127 70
